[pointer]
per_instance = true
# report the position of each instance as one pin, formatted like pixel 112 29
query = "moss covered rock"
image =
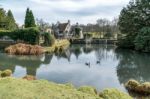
pixel 6 73
pixel 142 88
pixel 132 84
pixel 114 94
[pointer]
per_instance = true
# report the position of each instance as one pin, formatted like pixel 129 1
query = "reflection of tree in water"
pixel 31 63
pixel 48 58
pixel 132 65
pixel 76 50
pixel 102 52
pixel 87 49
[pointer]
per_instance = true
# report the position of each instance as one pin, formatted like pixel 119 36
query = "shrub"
pixel 6 73
pixel 49 39
pixel 29 35
pixel 142 41
pixel 77 31
pixel 5 33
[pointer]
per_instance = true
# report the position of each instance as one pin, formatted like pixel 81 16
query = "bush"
pixel 28 35
pixel 49 39
pixel 142 41
pixel 5 33
pixel 77 31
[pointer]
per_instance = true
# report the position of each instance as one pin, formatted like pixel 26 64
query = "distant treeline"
pixel 102 26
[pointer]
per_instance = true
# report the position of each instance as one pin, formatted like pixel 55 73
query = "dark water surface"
pixel 109 68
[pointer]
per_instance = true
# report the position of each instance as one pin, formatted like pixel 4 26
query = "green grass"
pixel 13 88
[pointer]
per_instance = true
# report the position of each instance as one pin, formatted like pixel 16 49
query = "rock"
pixel 6 73
pixel 141 88
pixel 132 84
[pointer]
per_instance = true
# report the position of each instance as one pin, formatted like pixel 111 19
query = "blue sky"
pixel 82 11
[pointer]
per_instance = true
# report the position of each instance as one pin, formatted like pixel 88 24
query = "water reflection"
pixel 133 65
pixel 31 63
pixel 109 68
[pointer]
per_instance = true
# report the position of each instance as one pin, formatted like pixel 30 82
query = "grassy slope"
pixel 13 88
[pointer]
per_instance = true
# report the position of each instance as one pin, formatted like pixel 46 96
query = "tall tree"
pixel 29 19
pixel 2 15
pixel 11 21
pixel 132 19
pixel 32 20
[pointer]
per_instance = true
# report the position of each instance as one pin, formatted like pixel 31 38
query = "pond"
pixel 101 66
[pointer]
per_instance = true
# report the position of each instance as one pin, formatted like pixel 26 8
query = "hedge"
pixel 28 35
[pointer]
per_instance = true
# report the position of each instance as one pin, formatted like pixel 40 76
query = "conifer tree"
pixel 32 22
pixel 29 19
pixel 2 15
pixel 11 21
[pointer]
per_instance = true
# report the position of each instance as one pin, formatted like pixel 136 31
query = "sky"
pixel 81 11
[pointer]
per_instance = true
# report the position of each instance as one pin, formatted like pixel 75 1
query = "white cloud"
pixel 83 11
pixel 76 4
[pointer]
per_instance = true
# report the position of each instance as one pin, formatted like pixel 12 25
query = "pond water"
pixel 109 68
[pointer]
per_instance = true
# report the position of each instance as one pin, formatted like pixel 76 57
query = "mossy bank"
pixel 14 88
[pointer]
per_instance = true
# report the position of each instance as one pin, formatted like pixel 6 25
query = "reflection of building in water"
pixel 65 53
pixel 31 63
pixel 132 65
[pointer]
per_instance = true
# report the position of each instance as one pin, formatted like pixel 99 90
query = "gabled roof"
pixel 62 26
